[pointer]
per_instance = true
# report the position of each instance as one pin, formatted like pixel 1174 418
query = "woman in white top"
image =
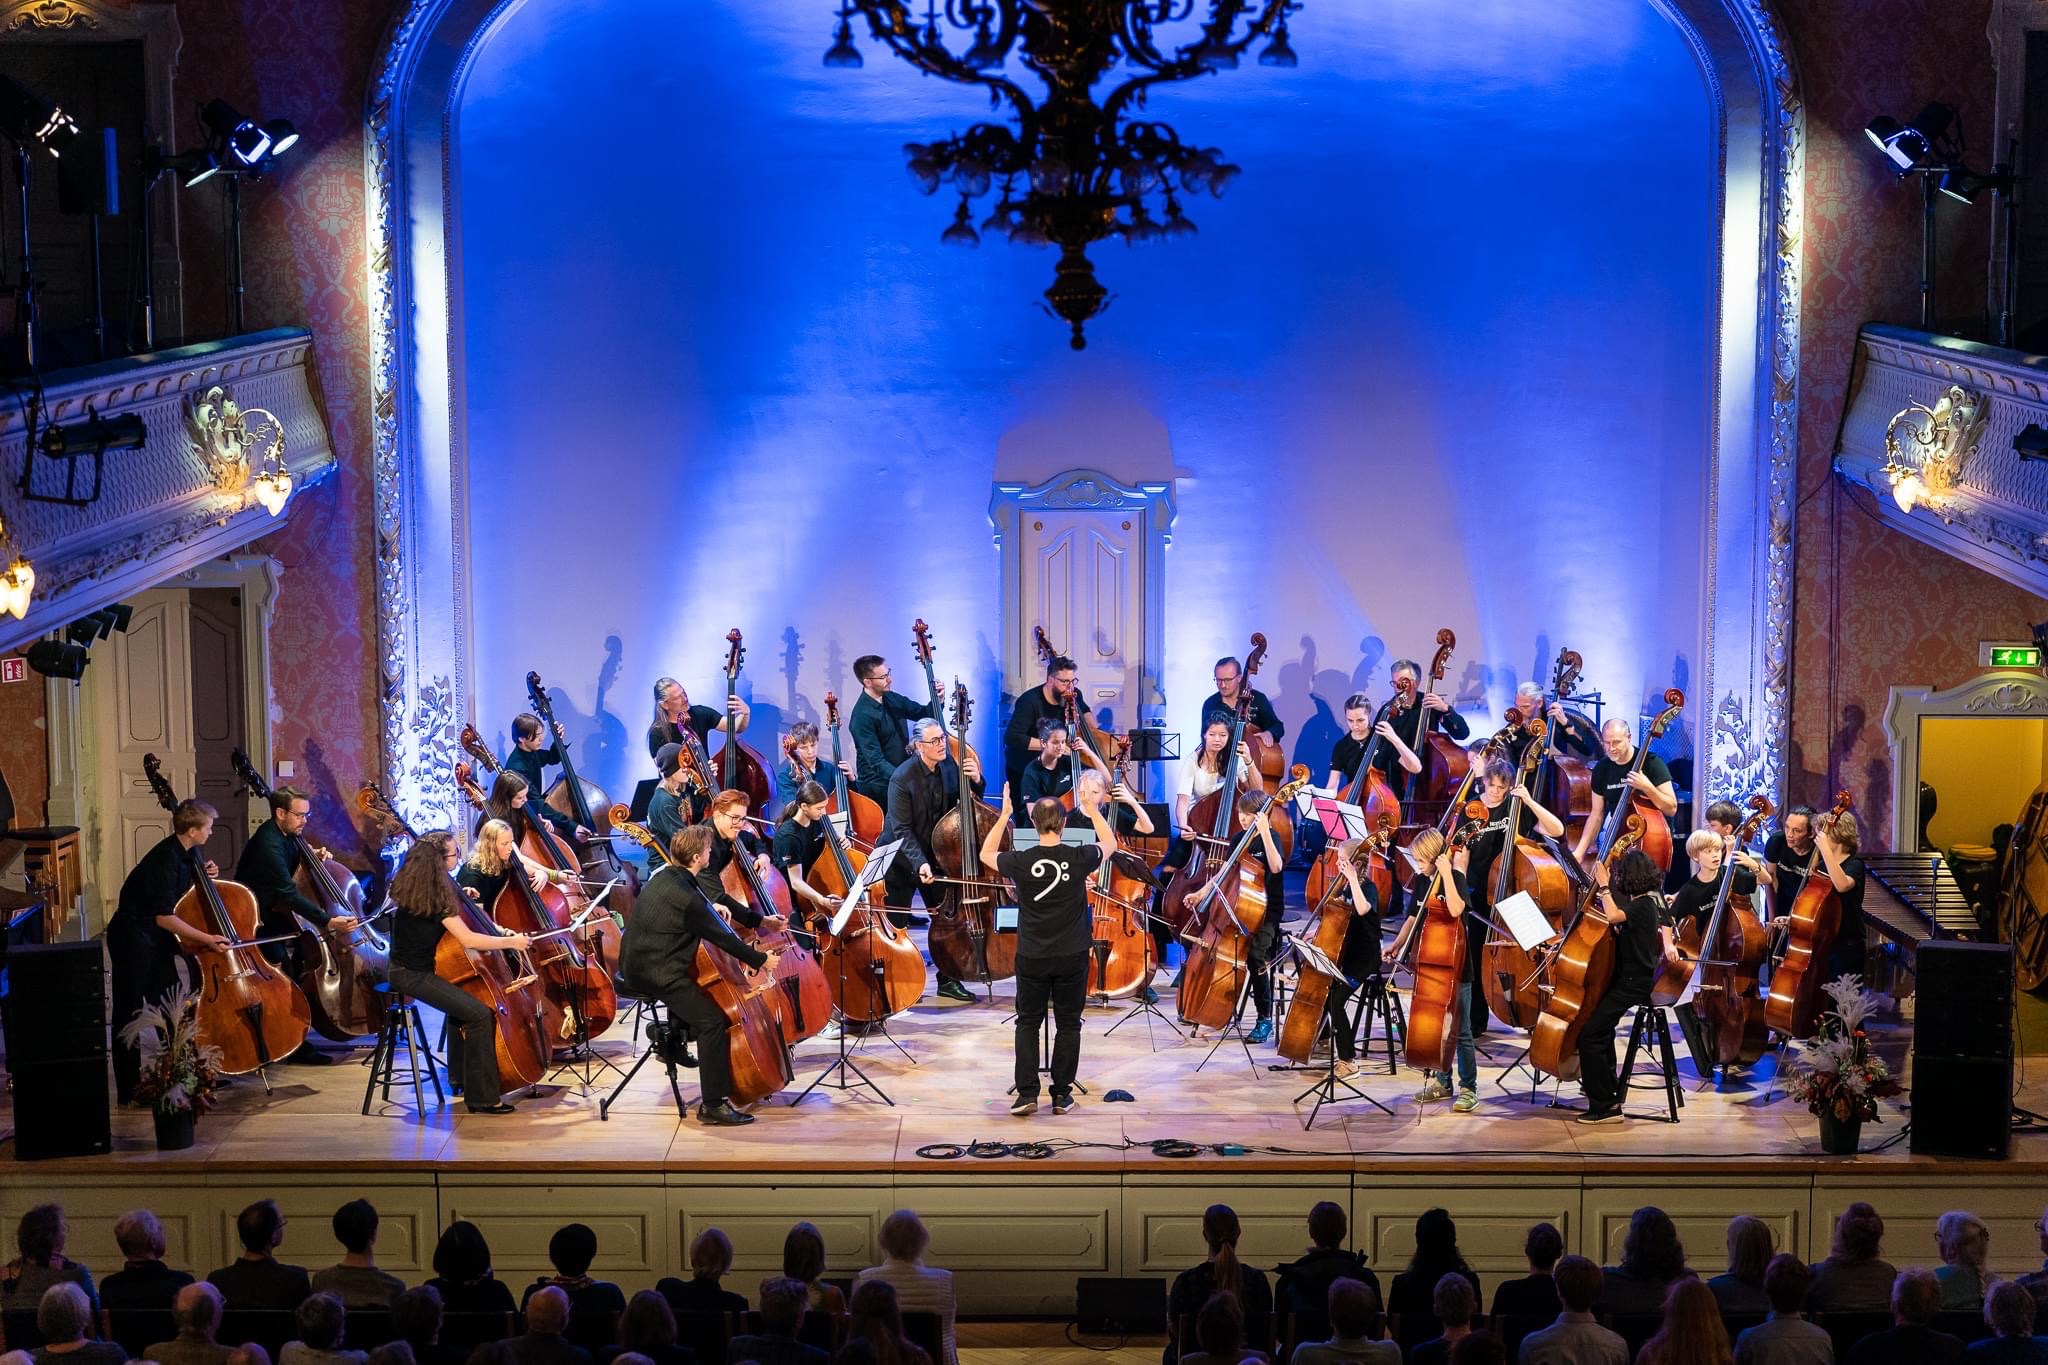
pixel 1201 773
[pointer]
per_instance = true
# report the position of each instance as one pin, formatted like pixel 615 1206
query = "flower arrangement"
pixel 179 1073
pixel 1836 1073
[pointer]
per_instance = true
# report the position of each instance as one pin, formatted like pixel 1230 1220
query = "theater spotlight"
pixel 1963 185
pixel 234 135
pixel 283 136
pixel 26 117
pixel 88 628
pixel 2032 442
pixel 56 659
pixel 1911 145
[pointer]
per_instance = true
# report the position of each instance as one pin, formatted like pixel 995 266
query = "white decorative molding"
pixel 161 510
pixel 419 460
pixel 1994 514
pixel 2000 693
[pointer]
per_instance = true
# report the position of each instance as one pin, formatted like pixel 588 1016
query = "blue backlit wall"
pixel 1439 357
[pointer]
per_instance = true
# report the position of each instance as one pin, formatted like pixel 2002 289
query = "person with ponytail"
pixel 1221 1274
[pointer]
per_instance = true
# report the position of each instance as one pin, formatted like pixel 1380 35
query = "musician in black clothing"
pixel 658 958
pixel 879 723
pixel 1839 840
pixel 672 711
pixel 1786 855
pixel 1359 955
pixel 924 787
pixel 143 935
pixel 1615 779
pixel 676 800
pixel 1498 785
pixel 1693 903
pixel 266 867
pixel 1022 738
pixel 528 759
pixel 1633 907
pixel 1432 712
pixel 511 801
pixel 800 842
pixel 1360 725
pixel 730 837
pixel 1051 772
pixel 1253 812
pixel 1262 723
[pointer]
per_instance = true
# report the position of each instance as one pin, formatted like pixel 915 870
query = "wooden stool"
pixel 1655 1022
pixel 402 1024
pixel 51 853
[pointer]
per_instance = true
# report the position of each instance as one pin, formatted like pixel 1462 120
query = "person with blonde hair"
pixel 919 1288
pixel 1838 840
pixel 2009 1312
pixel 1965 1244
pixel 1692 1333
pixel 710 1259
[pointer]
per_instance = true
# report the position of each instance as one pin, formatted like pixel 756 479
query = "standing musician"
pixel 1785 857
pixel 144 933
pixel 1572 736
pixel 1359 728
pixel 1498 784
pixel 1453 868
pixel 1201 772
pixel 669 807
pixel 1432 711
pixel 1252 813
pixel 799 842
pixel 266 866
pixel 1055 933
pixel 800 764
pixel 1838 854
pixel 1632 906
pixel 528 759
pixel 672 711
pixel 1264 724
pixel 658 957
pixel 425 893
pixel 1359 957
pixel 924 787
pixel 1023 737
pixel 1694 901
pixel 879 724
pixel 1613 782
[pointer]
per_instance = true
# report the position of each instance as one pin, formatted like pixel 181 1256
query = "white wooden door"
pixel 141 683
pixel 1082 580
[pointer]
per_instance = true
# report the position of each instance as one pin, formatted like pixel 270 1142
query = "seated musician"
pixel 1615 780
pixel 673 711
pixel 671 806
pixel 492 859
pixel 144 933
pixel 923 788
pixel 509 802
pixel 801 764
pixel 1358 957
pixel 879 725
pixel 798 845
pixel 1022 737
pixel 528 759
pixel 1838 841
pixel 730 837
pixel 1201 773
pixel 1633 907
pixel 1359 729
pixel 1126 815
pixel 428 904
pixel 266 867
pixel 1253 812
pixel 1453 870
pixel 658 958
pixel 1051 773
pixel 1569 733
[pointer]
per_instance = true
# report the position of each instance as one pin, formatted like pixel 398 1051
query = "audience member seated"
pixel 1454 1303
pixel 803 1260
pixel 1785 1338
pixel 783 1303
pixel 196 1311
pixel 854 1351
pixel 462 1272
pixel 647 1328
pixel 143 1282
pixel 356 1281
pixel 1964 1244
pixel 1740 1288
pixel 64 1316
pixel 547 1318
pixel 1222 1273
pixel 2035 1282
pixel 1303 1286
pixel 1916 1298
pixel 249 1353
pixel 1479 1348
pixel 258 1279
pixel 1854 1278
pixel 1575 1338
pixel 1692 1333
pixel 710 1258
pixel 1219 1335
pixel 321 1318
pixel 874 1320
pixel 2009 1310
pixel 1652 1258
pixel 40 1239
pixel 570 1251
pixel 1410 1297
pixel 921 1288
pixel 1353 1307
pixel 1535 1294
pixel 393 1353
pixel 416 1318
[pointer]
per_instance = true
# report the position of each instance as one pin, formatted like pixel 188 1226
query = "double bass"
pixel 863 813
pixel 1511 978
pixel 1085 743
pixel 1332 916
pixel 247 1008
pixel 1435 941
pixel 738 765
pixel 586 804
pixel 804 1003
pixel 1564 784
pixel 921 646
pixel 1445 764
pixel 338 971
pixel 1580 970
pixel 1731 951
pixel 1687 958
pixel 963 939
pixel 1267 761
pixel 1371 793
pixel 1656 840
pixel 871 967
pixel 502 981
pixel 1812 924
pixel 1123 954
pixel 1218 967
pixel 1210 825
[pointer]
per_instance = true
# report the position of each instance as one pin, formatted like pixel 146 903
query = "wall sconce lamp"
pixel 17 580
pixel 222 431
pixel 1944 436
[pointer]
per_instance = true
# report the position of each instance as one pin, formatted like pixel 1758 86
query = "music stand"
pixel 1325 1090
pixel 876 869
pixel 584 1061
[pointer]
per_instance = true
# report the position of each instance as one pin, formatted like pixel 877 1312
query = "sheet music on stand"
pixel 1525 920
pixel 876 869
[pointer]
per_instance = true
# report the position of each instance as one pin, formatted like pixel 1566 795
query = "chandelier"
pixel 1068 170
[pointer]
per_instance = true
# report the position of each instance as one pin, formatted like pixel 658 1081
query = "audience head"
pixel 1543 1246
pixel 197 1309
pixel 1916 1296
pixel 1220 1231
pixel 1579 1282
pixel 1453 1301
pixel 416 1316
pixel 1354 1309
pixel 855 1351
pixel 1652 1249
pixel 903 1236
pixel 249 1353
pixel 1436 1243
pixel 1219 1326
pixel 396 1353
pixel 1962 1239
pixel 2009 1309
pixel 64 1313
pixel 40 1234
pixel 1327 1226
pixel 547 1312
pixel 1750 1244
pixel 1479 1348
pixel 1692 1315
pixel 320 1319
pixel 872 1312
pixel 140 1236
pixel 260 1226
pixel 783 1300
pixel 648 1324
pixel 572 1249
pixel 355 1226
pixel 1786 1282
pixel 803 1253
pixel 1859 1233
pixel 462 1255
pixel 710 1254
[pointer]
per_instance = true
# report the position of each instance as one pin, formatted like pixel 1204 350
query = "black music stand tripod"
pixel 844 1074
pixel 1325 1090
pixel 584 1062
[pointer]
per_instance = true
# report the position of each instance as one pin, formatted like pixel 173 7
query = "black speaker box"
pixel 1962 1106
pixel 1113 1305
pixel 56 1002
pixel 61 1108
pixel 1965 1000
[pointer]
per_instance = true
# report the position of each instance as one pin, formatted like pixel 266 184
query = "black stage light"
pixel 56 659
pixel 2032 442
pixel 125 432
pixel 27 117
pixel 1963 185
pixel 283 135
pixel 121 613
pixel 237 136
pixel 1912 144
pixel 88 628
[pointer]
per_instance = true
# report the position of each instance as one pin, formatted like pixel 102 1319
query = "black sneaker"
pixel 722 1116
pixel 1062 1103
pixel 1024 1104
pixel 499 1108
pixel 1611 1115
pixel 954 990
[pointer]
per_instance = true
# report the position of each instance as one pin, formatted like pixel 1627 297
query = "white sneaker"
pixel 1345 1069
pixel 828 1034
pixel 1468 1100
pixel 1432 1091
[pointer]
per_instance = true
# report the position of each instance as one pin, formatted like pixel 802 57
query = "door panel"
pixel 1081 581
pixel 218 719
pixel 146 686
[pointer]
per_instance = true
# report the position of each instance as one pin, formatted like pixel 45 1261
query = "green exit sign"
pixel 2015 656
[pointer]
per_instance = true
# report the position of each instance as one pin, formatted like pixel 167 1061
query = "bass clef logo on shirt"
pixel 1044 868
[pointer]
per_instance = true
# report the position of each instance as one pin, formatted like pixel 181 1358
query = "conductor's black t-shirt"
pixel 1052 897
